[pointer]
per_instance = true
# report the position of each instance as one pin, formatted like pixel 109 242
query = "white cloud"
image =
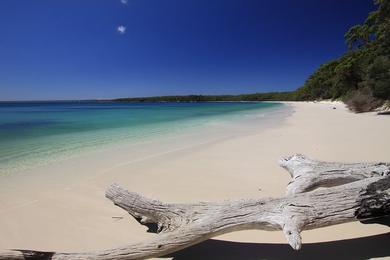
pixel 124 2
pixel 121 29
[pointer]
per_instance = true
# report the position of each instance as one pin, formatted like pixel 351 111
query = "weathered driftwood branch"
pixel 308 175
pixel 353 192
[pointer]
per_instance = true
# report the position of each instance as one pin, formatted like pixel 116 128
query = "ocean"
pixel 37 133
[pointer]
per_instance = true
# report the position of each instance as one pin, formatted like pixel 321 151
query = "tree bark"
pixel 320 194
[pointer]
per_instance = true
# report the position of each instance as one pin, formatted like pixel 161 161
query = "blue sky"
pixel 82 49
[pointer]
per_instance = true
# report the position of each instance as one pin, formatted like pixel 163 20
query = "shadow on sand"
pixel 359 248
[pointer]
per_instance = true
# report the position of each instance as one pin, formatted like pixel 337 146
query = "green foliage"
pixel 379 77
pixel 364 69
pixel 271 96
pixel 358 34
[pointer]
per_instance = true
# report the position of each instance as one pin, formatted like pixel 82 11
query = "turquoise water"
pixel 36 133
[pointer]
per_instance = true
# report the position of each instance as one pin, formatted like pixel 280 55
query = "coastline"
pixel 73 215
pixel 68 131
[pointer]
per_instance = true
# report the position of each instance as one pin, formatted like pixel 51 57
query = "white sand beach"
pixel 62 207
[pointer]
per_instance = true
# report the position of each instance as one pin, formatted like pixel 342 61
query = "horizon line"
pixel 135 97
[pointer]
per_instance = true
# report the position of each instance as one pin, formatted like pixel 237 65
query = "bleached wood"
pixel 308 174
pixel 364 194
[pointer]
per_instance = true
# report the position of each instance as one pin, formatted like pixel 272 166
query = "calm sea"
pixel 36 133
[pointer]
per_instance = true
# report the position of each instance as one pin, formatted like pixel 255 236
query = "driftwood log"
pixel 320 194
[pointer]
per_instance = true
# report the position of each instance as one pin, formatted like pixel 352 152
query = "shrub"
pixel 362 100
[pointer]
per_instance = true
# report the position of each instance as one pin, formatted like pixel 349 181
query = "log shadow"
pixel 359 248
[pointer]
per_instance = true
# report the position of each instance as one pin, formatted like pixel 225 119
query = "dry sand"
pixel 62 207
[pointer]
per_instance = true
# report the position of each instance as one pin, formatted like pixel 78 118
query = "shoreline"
pixel 77 217
pixel 25 154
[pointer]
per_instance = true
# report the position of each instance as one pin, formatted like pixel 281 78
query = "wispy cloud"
pixel 124 2
pixel 121 29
